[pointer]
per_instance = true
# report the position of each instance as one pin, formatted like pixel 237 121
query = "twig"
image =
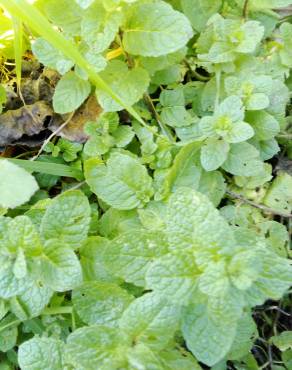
pixel 53 134
pixel 259 206
pixel 245 9
pixel 77 186
pixel 163 128
pixel 194 73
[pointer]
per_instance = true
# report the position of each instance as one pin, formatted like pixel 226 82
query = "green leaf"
pixel 283 341
pixel 16 185
pixel 100 303
pixel 214 280
pixel 199 14
pixel 84 3
pixel 123 183
pixel 95 347
pixel 8 336
pixel 266 127
pixel 67 219
pixel 22 234
pixel 262 4
pixel 71 91
pixel 147 34
pixel 208 338
pixel 60 267
pixel 244 339
pixel 213 185
pixel 99 27
pixel 92 262
pixel 214 153
pixel 65 14
pixel 50 56
pixel 185 171
pixel 178 360
pixel 142 357
pixel 151 320
pixel 279 194
pixel 10 285
pixel 174 113
pixel 32 301
pixel 41 353
pixel 131 254
pixel 192 222
pixel 243 160
pixel 174 275
pixel 130 84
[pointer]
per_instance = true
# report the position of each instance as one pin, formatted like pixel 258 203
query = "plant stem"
pixel 218 87
pixel 162 126
pixel 259 206
pixel 53 134
pixel 245 9
pixel 58 310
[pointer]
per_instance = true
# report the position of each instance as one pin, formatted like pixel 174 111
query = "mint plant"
pixel 162 240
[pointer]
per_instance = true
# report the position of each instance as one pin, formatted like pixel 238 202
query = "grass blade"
pixel 48 168
pixel 18 47
pixel 30 15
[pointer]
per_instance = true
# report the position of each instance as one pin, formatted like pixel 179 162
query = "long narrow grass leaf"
pixel 30 15
pixel 48 168
pixel 18 47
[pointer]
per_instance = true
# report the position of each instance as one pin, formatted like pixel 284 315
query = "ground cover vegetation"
pixel 145 184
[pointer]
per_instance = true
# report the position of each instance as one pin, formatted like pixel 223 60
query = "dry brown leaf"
pixel 74 130
pixel 29 120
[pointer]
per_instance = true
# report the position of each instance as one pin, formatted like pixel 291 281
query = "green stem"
pixel 11 323
pixel 58 310
pixel 218 87
pixel 162 126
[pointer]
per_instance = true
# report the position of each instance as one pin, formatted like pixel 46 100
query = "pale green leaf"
pixel 283 341
pixel 67 219
pixel 199 14
pixel 155 29
pixel 100 303
pixel 129 84
pixel 214 153
pixel 279 194
pixel 71 91
pixel 209 339
pixel 130 254
pixel 60 267
pixel 95 347
pixel 51 57
pixel 16 185
pixel 192 222
pixel 174 275
pixel 32 301
pixel 123 183
pixel 151 320
pixel 243 160
pixel 41 353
